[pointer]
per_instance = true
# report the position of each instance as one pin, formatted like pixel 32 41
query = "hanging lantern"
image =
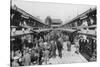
pixel 24 23
pixel 23 30
pixel 13 31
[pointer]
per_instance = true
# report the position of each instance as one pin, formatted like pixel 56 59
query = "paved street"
pixel 68 57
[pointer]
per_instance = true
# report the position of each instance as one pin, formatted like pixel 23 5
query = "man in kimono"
pixel 27 58
pixel 59 47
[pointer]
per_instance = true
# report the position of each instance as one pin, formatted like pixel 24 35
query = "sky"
pixel 65 12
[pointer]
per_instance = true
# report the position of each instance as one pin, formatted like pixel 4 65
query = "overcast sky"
pixel 65 12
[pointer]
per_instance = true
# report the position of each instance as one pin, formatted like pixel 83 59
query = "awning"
pixel 20 32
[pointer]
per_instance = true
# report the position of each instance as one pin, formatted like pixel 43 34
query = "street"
pixel 68 57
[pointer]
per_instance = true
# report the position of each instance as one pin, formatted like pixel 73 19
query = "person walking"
pixel 27 58
pixel 15 62
pixel 41 48
pixel 77 46
pixel 53 49
pixel 59 47
pixel 68 46
pixel 46 52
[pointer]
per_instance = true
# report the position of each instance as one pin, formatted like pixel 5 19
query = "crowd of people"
pixel 38 51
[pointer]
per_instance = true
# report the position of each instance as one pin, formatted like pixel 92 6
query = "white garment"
pixel 65 46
